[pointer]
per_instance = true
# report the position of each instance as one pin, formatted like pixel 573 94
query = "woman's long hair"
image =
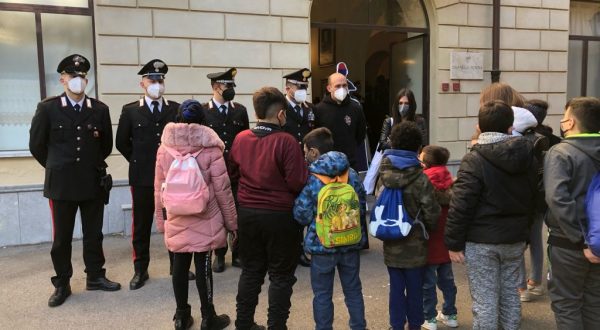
pixel 502 92
pixel 412 106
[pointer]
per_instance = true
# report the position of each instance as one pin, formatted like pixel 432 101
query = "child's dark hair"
pixel 406 136
pixel 267 102
pixel 190 112
pixel 319 138
pixel 495 116
pixel 587 112
pixel 539 109
pixel 435 155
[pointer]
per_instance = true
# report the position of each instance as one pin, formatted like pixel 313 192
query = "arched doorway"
pixel 385 44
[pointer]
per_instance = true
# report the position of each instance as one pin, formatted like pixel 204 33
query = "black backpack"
pixel 541 144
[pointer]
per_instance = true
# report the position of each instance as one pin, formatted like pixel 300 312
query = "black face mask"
pixel 228 94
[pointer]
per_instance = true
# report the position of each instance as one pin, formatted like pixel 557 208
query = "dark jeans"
pixel 268 242
pixel 322 275
pixel 141 225
pixel 63 222
pixel 442 276
pixel 406 297
pixel 204 280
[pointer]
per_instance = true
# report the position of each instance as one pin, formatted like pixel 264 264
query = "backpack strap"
pixel 420 223
pixel 343 178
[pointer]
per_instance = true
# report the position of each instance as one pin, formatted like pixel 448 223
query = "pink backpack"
pixel 184 191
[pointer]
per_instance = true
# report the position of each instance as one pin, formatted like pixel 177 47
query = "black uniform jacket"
pixel 138 138
pixel 226 126
pixel 298 125
pixel 71 146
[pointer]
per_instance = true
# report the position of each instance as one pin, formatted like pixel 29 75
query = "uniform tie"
pixel 77 108
pixel 223 110
pixel 298 110
pixel 155 112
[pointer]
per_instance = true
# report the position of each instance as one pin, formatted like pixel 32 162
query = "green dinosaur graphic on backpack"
pixel 338 212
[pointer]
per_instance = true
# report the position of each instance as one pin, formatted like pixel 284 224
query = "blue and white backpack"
pixel 389 218
pixel 592 209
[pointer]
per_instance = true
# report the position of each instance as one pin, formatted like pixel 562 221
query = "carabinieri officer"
pixel 227 119
pixel 138 138
pixel 300 118
pixel 71 136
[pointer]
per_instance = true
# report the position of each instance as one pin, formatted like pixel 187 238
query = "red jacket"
pixel 440 177
pixel 269 167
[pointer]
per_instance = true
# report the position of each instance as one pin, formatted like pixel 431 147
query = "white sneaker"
pixel 537 290
pixel 525 295
pixel 448 320
pixel 430 324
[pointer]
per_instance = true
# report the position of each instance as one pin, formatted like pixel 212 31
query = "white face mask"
pixel 340 94
pixel 77 85
pixel 155 90
pixel 300 95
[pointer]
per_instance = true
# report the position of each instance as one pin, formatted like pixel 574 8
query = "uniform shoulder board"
pixel 131 103
pixel 96 101
pixel 238 105
pixel 50 98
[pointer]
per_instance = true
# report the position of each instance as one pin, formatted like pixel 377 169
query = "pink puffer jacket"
pixel 207 230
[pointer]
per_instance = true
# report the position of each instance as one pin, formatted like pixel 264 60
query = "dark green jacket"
pixel 411 251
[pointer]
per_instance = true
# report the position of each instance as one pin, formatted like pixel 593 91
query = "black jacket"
pixel 71 146
pixel 493 195
pixel 298 125
pixel 347 123
pixel 138 138
pixel 227 127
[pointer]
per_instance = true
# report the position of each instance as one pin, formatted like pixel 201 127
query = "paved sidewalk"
pixel 25 287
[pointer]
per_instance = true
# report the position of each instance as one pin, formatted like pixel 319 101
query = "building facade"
pixel 548 50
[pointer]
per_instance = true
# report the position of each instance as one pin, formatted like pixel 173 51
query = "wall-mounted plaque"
pixel 466 65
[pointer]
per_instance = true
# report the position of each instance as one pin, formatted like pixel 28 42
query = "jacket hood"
pixel 524 120
pixel 439 176
pixel 329 100
pixel 590 144
pixel 331 164
pixel 399 168
pixel 190 137
pixel 513 155
pixel 402 159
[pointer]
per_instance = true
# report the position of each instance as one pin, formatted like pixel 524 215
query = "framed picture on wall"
pixel 326 47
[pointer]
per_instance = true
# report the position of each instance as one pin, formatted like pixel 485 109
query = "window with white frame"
pixel 35 35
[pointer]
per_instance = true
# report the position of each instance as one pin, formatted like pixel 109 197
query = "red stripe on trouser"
pixel 132 224
pixel 52 216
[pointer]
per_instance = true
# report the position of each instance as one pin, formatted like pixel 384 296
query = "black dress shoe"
pixel 219 264
pixel 138 280
pixel 236 262
pixel 304 260
pixel 102 283
pixel 191 276
pixel 59 296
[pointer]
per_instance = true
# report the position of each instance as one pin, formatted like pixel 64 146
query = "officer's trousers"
pixel 141 226
pixel 63 223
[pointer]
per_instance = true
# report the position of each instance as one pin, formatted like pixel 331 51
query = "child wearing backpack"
pixel 406 257
pixel 569 166
pixel 332 205
pixel 192 184
pixel 439 267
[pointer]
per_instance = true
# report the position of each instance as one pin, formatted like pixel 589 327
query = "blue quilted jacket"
pixel 331 164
